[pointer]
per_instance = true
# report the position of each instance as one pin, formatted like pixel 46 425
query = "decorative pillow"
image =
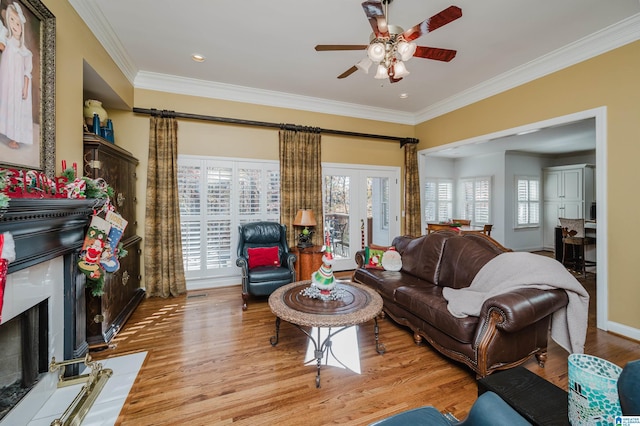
pixel 391 260
pixel 373 257
pixel 263 256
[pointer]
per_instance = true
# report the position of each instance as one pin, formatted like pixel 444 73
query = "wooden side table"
pixel 309 261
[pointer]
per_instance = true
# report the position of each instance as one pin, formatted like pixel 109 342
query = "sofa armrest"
pixel 360 256
pixel 520 308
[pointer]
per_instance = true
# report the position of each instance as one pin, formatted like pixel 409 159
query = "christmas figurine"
pixel 323 278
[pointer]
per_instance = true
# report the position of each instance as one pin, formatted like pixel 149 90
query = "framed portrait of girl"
pixel 27 86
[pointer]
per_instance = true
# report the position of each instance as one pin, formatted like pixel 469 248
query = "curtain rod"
pixel 165 113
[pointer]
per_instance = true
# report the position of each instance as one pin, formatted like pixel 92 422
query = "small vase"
pixel 91 106
pixel 96 123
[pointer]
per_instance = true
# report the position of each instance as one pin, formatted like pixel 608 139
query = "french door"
pixel 361 206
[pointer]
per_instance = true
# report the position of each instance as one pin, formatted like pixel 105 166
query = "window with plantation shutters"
pixel 475 200
pixel 527 201
pixel 438 199
pixel 217 195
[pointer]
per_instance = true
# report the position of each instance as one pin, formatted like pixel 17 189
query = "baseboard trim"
pixel 204 283
pixel 623 330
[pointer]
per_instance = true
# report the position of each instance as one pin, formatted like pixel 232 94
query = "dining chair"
pixel 432 227
pixel 574 237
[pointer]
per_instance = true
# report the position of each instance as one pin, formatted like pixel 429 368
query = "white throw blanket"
pixel 515 270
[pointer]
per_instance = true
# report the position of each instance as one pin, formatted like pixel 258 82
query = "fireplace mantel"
pixel 44 229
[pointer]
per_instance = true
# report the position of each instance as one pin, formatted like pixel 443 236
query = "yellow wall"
pixel 609 80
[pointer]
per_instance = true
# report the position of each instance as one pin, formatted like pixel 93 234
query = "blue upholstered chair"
pixel 488 410
pixel 629 388
pixel 264 279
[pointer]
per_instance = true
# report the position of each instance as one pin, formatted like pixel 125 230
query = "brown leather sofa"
pixel 511 327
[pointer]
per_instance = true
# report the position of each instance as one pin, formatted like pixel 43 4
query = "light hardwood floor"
pixel 210 363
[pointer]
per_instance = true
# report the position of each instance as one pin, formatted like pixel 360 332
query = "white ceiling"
pixel 264 51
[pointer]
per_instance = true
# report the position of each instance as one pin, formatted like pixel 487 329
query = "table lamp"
pixel 305 218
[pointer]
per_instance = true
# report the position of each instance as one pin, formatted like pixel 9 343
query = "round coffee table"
pixel 358 305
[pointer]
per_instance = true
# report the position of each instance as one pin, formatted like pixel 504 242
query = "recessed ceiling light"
pixel 404 95
pixel 198 58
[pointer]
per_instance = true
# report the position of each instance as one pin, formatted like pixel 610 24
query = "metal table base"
pixel 322 348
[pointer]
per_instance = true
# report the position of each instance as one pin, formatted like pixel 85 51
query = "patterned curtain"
pixel 411 191
pixel 300 179
pixel 164 271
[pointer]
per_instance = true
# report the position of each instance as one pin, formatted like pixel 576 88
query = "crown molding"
pixel 612 37
pixel 229 92
pixel 93 17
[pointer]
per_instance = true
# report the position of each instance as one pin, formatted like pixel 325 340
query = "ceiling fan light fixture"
pixel 406 50
pixel 382 72
pixel 400 70
pixel 376 51
pixel 364 65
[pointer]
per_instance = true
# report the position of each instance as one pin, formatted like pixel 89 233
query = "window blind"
pixel 217 195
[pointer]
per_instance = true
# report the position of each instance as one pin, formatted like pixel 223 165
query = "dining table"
pixel 461 229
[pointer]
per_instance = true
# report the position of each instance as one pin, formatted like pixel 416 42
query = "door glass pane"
pixel 336 213
pixel 378 211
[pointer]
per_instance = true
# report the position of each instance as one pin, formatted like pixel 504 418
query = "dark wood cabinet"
pixel 309 261
pixel 107 314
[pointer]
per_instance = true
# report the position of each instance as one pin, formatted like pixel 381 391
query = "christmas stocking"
pixel 7 254
pixel 93 246
pixel 109 259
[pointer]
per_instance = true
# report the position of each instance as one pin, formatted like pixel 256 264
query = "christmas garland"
pixel 4 198
pixel 101 249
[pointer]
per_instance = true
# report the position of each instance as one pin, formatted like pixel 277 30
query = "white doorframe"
pixel 600 115
pixel 359 173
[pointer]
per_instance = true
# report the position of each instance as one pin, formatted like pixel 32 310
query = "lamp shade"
pixel 381 72
pixel 364 65
pixel 406 50
pixel 305 217
pixel 400 70
pixel 376 51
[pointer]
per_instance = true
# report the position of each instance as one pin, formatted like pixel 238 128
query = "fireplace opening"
pixel 23 354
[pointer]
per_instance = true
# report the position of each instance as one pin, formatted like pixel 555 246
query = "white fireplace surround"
pixel 25 289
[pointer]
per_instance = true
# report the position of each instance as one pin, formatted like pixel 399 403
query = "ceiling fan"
pixel 390 46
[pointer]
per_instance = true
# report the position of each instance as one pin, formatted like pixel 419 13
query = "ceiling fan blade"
pixel 438 20
pixel 328 47
pixel 348 72
pixel 394 80
pixel 435 53
pixel 375 14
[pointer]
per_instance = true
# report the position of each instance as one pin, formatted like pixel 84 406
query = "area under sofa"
pixel 511 326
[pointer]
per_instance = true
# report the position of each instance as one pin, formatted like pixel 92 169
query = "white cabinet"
pixel 565 185
pixel 568 191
